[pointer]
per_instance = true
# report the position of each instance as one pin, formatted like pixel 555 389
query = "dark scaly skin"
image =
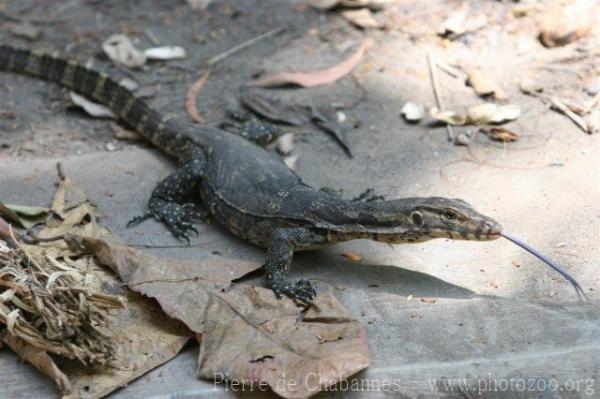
pixel 250 191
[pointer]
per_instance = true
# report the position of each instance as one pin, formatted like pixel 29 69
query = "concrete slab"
pixel 490 321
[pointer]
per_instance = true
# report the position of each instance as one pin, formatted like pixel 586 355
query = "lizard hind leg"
pixel 248 126
pixel 174 201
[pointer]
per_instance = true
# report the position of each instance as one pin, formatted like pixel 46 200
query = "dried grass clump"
pixel 55 307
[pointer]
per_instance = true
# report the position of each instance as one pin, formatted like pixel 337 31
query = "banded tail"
pixel 97 86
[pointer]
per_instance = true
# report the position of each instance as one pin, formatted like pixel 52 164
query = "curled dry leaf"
pixel 500 134
pixel 120 49
pixel 484 85
pixel 317 77
pixel 23 215
pixel 448 117
pixel 191 97
pixel 247 334
pixel 94 109
pixel 352 256
pixel 412 112
pixel 165 53
pixel 297 115
pixel 488 113
pixel 459 22
pixel 482 114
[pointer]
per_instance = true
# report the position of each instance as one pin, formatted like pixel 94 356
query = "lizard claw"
pixel 301 291
pixel 140 218
pixel 179 219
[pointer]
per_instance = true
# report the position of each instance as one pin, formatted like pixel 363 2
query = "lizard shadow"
pixel 325 266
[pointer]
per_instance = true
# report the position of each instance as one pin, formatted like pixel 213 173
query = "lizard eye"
pixel 450 216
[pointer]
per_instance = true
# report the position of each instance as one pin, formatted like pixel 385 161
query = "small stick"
pixel 436 91
pixel 591 104
pixel 450 70
pixel 239 47
pixel 560 106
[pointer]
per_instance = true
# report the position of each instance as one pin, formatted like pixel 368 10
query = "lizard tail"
pixel 163 132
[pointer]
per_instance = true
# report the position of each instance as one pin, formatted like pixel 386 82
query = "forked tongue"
pixel 546 260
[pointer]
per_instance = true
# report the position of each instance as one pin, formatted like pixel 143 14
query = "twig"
pixel 191 95
pixel 239 47
pixel 436 91
pixel 450 70
pixel 591 104
pixel 560 106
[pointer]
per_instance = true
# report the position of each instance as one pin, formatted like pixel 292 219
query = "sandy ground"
pixel 498 312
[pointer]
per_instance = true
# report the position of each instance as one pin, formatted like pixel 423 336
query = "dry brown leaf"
pixel 39 359
pixel 252 336
pixel 460 22
pixel 318 77
pixel 352 256
pixel 500 134
pixel 191 98
pixel 484 85
pixel 561 25
pixel 151 339
pixel 247 333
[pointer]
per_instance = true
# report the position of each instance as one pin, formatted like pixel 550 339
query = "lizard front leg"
pixel 279 258
pixel 171 203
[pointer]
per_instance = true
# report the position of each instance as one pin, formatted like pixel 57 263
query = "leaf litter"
pixel 246 333
pixel 65 304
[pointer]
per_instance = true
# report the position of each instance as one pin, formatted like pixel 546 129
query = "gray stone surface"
pixel 491 322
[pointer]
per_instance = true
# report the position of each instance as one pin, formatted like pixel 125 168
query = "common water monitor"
pixel 249 190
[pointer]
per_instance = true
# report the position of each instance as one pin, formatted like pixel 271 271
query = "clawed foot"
pixel 179 219
pixel 302 291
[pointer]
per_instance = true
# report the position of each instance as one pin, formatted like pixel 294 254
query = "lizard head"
pixel 435 217
pixel 424 218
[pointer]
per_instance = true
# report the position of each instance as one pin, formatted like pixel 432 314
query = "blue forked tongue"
pixel 546 260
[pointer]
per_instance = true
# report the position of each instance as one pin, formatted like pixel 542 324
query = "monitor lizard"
pixel 249 190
